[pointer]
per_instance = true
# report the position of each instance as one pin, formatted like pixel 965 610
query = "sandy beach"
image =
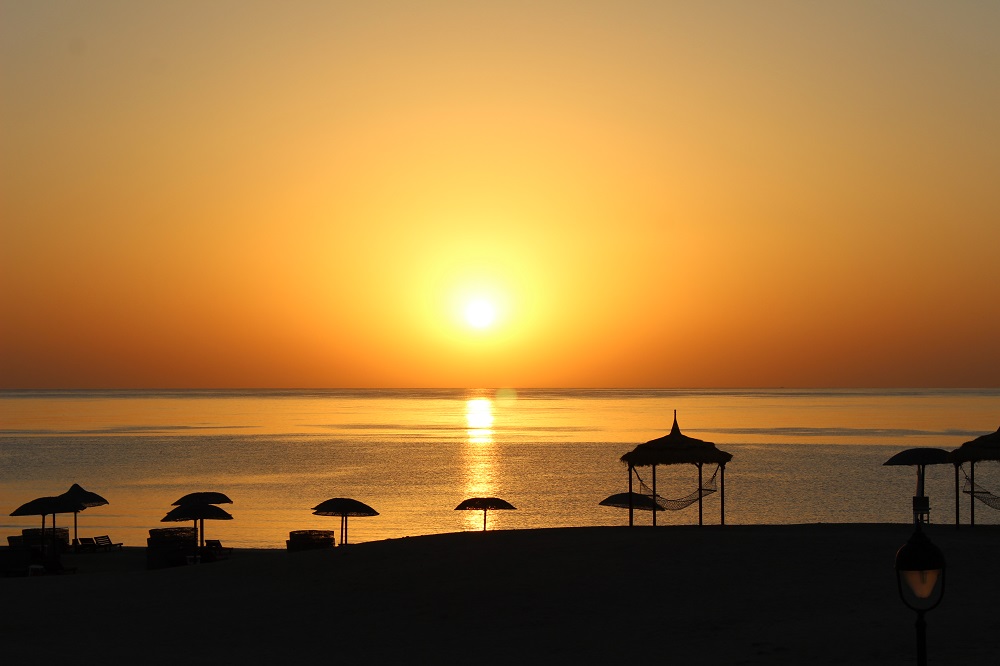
pixel 816 594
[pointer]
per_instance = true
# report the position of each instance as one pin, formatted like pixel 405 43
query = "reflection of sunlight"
pixel 479 416
pixel 478 456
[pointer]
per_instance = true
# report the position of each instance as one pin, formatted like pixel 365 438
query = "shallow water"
pixel 799 456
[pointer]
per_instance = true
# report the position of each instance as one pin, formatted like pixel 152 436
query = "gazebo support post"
pixel 700 496
pixel 722 494
pixel 630 495
pixel 957 520
pixel 654 494
pixel 972 495
pixel 484 519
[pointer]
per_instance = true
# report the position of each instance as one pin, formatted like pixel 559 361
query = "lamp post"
pixel 920 574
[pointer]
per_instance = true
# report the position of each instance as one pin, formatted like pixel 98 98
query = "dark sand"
pixel 798 594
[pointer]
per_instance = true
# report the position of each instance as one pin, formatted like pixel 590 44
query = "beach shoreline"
pixel 761 594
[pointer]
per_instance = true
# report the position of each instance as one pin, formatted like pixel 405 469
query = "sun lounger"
pixel 85 544
pixel 215 549
pixel 104 543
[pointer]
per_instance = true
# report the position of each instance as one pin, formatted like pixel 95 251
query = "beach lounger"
pixel 104 543
pixel 85 544
pixel 215 549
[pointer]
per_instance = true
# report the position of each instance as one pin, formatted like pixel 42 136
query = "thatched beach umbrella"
pixel 343 507
pixel 484 504
pixel 198 513
pixel 986 447
pixel 676 448
pixel 43 506
pixel 204 497
pixel 85 498
pixel 920 457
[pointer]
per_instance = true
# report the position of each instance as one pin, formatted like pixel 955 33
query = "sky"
pixel 630 194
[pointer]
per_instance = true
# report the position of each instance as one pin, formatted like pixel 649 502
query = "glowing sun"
pixel 480 313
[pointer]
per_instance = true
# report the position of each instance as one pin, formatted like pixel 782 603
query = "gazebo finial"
pixel 675 428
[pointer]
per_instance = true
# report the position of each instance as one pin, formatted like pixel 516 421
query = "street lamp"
pixel 920 576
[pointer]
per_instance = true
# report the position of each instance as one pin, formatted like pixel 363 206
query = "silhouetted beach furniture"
pixel 85 499
pixel 986 447
pixel 920 457
pixel 216 550
pixel 170 546
pixel 343 507
pixel 56 539
pixel 310 540
pixel 85 544
pixel 104 542
pixel 675 448
pixel 199 507
pixel 484 504
pixel 43 506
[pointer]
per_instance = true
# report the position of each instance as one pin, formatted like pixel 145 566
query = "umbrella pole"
pixel 484 520
pixel 75 535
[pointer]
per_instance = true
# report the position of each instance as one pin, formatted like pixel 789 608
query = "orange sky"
pixel 726 194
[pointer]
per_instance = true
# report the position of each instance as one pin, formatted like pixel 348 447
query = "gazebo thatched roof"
pixel 675 448
pixel 986 447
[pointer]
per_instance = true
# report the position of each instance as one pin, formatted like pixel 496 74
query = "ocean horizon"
pixel 799 455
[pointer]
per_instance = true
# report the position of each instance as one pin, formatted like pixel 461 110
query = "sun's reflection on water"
pixel 479 456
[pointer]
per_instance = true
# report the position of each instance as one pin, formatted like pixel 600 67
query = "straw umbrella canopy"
pixel 920 457
pixel 343 507
pixel 204 497
pixel 676 448
pixel 198 513
pixel 43 506
pixel 85 498
pixel 484 504
pixel 986 447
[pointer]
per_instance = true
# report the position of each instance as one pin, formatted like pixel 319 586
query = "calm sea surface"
pixel 413 455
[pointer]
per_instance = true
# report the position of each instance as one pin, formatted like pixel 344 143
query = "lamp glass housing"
pixel 920 573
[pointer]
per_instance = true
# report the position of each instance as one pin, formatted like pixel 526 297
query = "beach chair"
pixel 103 542
pixel 85 544
pixel 215 550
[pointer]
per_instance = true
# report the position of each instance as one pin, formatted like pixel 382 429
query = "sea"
pixel 799 456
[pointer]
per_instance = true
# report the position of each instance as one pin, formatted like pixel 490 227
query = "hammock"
pixel 980 493
pixel 707 488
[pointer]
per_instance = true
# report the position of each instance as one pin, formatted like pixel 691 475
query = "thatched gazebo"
pixel 986 447
pixel 676 448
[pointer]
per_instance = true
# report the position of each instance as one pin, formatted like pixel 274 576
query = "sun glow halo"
pixel 480 313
